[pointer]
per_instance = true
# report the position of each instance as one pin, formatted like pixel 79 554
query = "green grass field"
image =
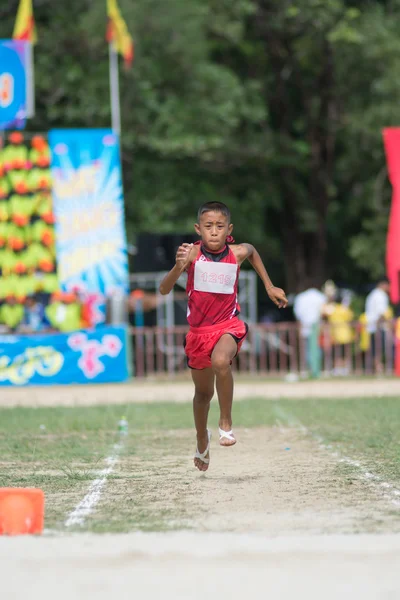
pixel 61 449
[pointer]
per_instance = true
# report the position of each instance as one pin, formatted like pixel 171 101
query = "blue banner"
pixel 87 356
pixel 12 84
pixel 89 210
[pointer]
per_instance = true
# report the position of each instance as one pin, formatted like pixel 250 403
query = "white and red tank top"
pixel 212 288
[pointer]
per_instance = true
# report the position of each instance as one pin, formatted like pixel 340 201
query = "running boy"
pixel 216 334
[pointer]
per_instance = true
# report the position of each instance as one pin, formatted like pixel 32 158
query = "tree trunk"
pixel 304 253
pixel 304 250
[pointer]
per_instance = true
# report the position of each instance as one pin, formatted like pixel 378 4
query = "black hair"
pixel 219 207
pixel 382 279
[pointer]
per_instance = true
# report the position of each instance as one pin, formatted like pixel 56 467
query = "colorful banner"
pixel 12 84
pixel 27 239
pixel 391 137
pixel 89 210
pixel 87 356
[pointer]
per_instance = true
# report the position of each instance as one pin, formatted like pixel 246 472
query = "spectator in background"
pixel 11 313
pixel 377 311
pixel 335 338
pixel 307 310
pixel 93 306
pixel 34 319
pixel 64 312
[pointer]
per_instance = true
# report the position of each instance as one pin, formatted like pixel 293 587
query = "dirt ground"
pixel 182 391
pixel 265 522
pixel 274 481
pixel 272 518
pixel 277 482
pixel 198 566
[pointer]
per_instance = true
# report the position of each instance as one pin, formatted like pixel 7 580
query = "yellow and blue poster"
pixel 89 210
pixel 13 89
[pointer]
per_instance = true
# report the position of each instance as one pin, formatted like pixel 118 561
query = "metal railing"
pixel 276 350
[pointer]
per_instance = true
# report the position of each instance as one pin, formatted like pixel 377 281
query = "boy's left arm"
pixel 247 251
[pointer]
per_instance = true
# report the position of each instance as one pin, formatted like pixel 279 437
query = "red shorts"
pixel 201 341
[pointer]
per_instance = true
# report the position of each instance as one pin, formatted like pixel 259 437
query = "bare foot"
pixel 226 437
pixel 202 446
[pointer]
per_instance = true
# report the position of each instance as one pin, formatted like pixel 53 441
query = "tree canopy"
pixel 275 107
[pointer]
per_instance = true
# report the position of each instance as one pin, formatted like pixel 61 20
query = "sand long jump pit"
pixel 306 505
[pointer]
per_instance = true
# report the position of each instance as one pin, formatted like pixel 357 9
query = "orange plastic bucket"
pixel 21 511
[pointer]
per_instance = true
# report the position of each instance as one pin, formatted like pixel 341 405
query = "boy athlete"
pixel 216 334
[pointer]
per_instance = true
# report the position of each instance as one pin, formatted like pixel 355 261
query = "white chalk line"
pixel 386 489
pixel 87 505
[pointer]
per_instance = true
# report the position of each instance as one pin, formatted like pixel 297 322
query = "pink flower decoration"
pixel 89 362
pixel 112 345
pixel 92 350
pixel 77 341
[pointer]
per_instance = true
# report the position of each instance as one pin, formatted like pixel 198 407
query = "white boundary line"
pixel 87 505
pixel 387 490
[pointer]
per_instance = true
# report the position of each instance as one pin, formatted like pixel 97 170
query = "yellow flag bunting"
pixel 118 34
pixel 24 28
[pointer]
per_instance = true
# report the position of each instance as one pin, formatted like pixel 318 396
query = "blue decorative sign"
pixel 87 356
pixel 89 210
pixel 12 84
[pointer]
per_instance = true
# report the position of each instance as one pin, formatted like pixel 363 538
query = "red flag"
pixel 391 137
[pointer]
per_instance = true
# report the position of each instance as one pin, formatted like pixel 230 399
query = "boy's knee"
pixel 220 363
pixel 203 397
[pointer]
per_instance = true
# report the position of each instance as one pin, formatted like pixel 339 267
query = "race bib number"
pixel 214 277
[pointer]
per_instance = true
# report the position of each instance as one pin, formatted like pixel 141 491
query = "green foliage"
pixel 366 248
pixel 273 107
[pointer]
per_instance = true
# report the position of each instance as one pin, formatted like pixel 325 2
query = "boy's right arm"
pixel 184 257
